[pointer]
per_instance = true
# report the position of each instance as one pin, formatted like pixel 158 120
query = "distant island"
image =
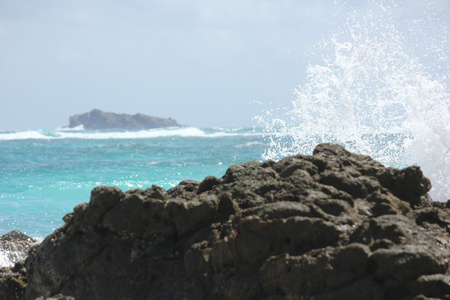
pixel 98 120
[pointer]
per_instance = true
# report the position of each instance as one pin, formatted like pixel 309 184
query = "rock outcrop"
pixel 99 120
pixel 333 225
pixel 14 247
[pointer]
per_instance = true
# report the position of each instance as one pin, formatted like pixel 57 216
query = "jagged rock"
pixel 13 281
pixel 98 120
pixel 16 236
pixel 15 245
pixel 333 225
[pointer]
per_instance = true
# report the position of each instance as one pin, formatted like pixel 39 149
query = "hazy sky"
pixel 201 62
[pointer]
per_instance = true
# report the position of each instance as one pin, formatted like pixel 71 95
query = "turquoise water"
pixel 44 174
pixel 378 85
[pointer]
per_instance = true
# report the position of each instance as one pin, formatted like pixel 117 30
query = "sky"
pixel 204 63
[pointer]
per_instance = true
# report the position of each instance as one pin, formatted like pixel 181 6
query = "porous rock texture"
pixel 14 246
pixel 333 225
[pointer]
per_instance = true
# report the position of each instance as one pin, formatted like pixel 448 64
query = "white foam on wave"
pixel 10 254
pixel 371 92
pixel 23 135
pixel 76 128
pixel 151 133
pixel 65 133
pixel 4 260
pixel 79 133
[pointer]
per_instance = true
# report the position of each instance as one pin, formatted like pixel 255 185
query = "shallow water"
pixel 44 177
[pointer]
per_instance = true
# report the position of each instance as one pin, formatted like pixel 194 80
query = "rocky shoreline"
pixel 333 225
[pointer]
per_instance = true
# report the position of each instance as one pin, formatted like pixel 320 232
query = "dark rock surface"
pixel 334 225
pixel 13 282
pixel 15 246
pixel 98 120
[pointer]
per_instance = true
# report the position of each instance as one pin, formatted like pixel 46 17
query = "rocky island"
pixel 332 225
pixel 99 120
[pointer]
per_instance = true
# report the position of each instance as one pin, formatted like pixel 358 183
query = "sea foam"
pixel 79 133
pixel 378 86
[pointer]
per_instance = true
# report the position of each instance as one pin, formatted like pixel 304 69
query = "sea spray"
pixel 379 85
pixel 14 247
pixel 10 254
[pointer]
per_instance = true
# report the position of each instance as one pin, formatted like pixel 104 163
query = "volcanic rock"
pixel 14 246
pixel 333 225
pixel 99 120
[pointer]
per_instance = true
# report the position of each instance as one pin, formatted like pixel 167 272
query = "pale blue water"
pixel 44 174
pixel 378 85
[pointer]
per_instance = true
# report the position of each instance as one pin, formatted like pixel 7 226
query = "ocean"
pixel 44 174
pixel 379 85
